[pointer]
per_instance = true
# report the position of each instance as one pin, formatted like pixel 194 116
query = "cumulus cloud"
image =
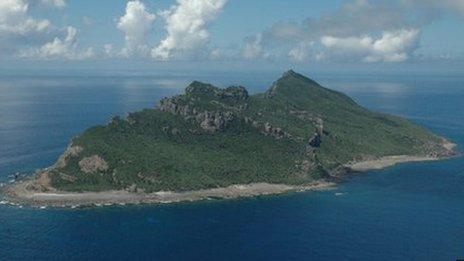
pixel 391 46
pixel 359 17
pixel 65 48
pixel 136 24
pixel 108 49
pixel 14 20
pixel 341 34
pixel 186 26
pixel 26 36
pixel 301 52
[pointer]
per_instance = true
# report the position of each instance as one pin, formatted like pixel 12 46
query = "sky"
pixel 209 35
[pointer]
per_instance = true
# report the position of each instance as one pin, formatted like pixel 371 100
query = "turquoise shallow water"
pixel 409 212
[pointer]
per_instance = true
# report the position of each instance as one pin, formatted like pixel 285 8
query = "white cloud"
pixel 253 47
pixel 186 25
pixel 354 24
pixel 56 3
pixel 300 53
pixel 136 24
pixel 392 46
pixel 60 49
pixel 14 21
pixel 28 37
pixel 109 50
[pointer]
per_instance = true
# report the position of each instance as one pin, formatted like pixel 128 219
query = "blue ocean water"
pixel 409 212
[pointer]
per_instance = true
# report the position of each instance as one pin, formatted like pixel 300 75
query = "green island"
pixel 294 134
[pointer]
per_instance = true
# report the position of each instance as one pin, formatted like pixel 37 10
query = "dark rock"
pixel 315 140
pixel 212 122
pixel 235 92
pixel 275 132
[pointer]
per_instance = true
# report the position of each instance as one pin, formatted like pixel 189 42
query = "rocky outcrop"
pixel 93 164
pixel 275 132
pixel 198 89
pixel 209 121
pixel 444 149
pixel 316 139
pixel 235 92
pixel 214 121
pixel 41 183
pixel 268 129
pixel 271 92
pixel 175 105
pixel 71 151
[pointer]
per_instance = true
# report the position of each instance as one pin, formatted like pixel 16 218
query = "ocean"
pixel 409 212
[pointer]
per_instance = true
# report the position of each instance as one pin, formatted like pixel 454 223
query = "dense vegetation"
pixel 294 133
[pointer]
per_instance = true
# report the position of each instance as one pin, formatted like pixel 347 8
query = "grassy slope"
pixel 355 132
pixel 181 162
pixel 140 152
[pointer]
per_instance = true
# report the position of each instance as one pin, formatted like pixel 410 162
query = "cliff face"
pixel 294 133
pixel 209 106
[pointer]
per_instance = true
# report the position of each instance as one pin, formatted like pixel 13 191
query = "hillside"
pixel 294 133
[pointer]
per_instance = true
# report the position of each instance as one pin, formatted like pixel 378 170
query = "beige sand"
pixel 18 194
pixel 384 162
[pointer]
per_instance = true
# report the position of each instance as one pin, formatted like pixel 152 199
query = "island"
pixel 210 143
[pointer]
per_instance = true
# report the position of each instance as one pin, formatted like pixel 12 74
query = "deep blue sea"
pixel 409 212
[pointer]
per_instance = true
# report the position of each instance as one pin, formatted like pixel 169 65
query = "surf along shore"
pixel 19 194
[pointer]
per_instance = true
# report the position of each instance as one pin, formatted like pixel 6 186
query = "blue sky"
pixel 232 34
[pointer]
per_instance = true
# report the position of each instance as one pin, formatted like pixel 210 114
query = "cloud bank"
pixel 15 22
pixel 357 31
pixel 136 24
pixel 393 46
pixel 22 35
pixel 361 30
pixel 65 48
pixel 186 26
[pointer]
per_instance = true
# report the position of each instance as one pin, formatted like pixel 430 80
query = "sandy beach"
pixel 388 161
pixel 19 195
pixel 385 162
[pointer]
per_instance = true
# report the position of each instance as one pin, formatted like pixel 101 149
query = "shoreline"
pixel 17 195
pixel 385 162
pixel 389 161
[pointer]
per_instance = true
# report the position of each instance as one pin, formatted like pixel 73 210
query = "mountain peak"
pixel 200 88
pixel 290 73
pixel 292 83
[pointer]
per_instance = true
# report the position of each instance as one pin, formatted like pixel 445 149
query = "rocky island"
pixel 225 143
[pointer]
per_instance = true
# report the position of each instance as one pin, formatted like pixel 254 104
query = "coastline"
pixel 388 161
pixel 17 194
pixel 384 162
